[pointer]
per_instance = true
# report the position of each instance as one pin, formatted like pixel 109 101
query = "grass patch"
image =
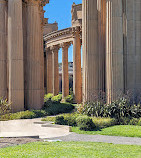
pixel 120 130
pixel 71 149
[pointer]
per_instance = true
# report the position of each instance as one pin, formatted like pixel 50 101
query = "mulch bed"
pixel 5 142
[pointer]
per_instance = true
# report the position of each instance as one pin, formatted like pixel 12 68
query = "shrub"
pixel 58 108
pixel 5 107
pixel 135 121
pixel 69 98
pixel 57 98
pixel 48 97
pixel 60 120
pixel 85 123
pixel 24 115
pixel 117 109
pixel 102 122
pixel 94 109
pixel 47 100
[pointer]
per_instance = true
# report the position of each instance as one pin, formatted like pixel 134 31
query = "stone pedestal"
pixel 34 64
pixel 90 50
pixel 65 74
pixel 114 50
pixel 49 71
pixel 3 48
pixel 15 55
pixel 77 77
pixel 55 70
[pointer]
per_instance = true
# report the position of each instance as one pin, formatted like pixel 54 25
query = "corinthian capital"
pixel 40 2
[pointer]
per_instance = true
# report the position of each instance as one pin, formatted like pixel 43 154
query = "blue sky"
pixel 60 11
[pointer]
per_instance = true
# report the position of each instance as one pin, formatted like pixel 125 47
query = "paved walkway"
pixel 46 130
pixel 100 138
pixel 31 128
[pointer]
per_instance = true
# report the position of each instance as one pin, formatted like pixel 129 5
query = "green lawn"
pixel 121 130
pixel 71 150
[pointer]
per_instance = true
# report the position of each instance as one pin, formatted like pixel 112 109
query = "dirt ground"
pixel 5 142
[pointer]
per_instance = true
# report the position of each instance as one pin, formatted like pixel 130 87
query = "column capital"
pixel 54 48
pixel 65 44
pixel 36 2
pixel 76 30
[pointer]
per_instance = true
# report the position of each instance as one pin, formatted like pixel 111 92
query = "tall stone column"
pixel 114 50
pixel 34 85
pixel 65 74
pixel 77 76
pixel 55 68
pixel 49 71
pixel 90 50
pixel 3 48
pixel 102 45
pixel 132 54
pixel 15 55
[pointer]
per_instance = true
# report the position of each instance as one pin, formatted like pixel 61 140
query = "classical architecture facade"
pixel 21 53
pixel 109 32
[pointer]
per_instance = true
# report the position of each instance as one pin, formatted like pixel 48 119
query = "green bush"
pixel 135 121
pixel 85 123
pixel 5 107
pixel 60 120
pixel 102 122
pixel 96 109
pixel 47 100
pixel 69 98
pixel 24 115
pixel 117 109
pixel 48 97
pixel 58 108
pixel 57 98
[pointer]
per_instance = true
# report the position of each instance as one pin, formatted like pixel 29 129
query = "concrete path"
pixel 50 132
pixel 100 138
pixel 31 128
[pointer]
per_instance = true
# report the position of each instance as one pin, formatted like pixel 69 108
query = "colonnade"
pixel 21 53
pixel 111 34
pixel 53 71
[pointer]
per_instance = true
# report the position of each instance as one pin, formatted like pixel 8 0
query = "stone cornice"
pixel 35 2
pixel 61 37
pixel 58 33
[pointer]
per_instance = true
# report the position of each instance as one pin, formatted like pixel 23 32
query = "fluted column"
pixel 55 70
pixel 15 55
pixel 114 50
pixel 90 50
pixel 65 74
pixel 132 55
pixel 49 71
pixel 3 48
pixel 77 76
pixel 34 85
